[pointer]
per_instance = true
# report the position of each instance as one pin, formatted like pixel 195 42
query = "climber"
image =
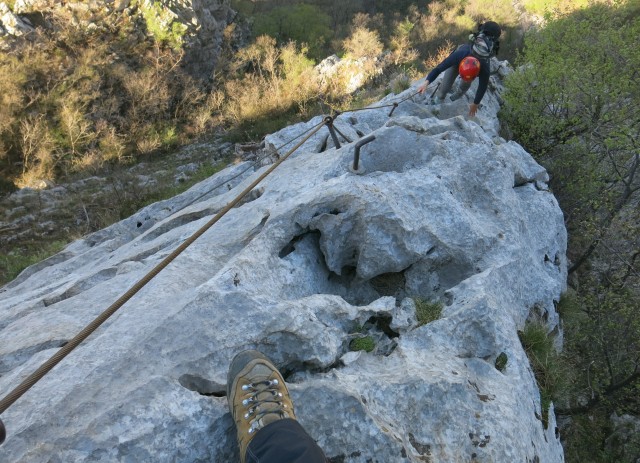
pixel 266 425
pixel 469 61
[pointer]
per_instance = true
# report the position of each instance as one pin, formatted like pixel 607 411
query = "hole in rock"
pixel 389 284
pixel 291 370
pixel 346 277
pixel 203 386
pixel 291 245
pixel 323 146
pixel 383 324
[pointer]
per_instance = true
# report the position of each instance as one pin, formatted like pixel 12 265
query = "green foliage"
pixel 545 362
pixel 427 311
pixel 602 342
pixel 501 361
pixel 572 105
pixel 363 43
pixel 161 25
pixel 74 99
pixel 577 114
pixel 300 23
pixel 15 261
pixel 400 83
pixel 453 20
pixel 365 343
pixel 282 83
pixel 544 7
pixel 569 305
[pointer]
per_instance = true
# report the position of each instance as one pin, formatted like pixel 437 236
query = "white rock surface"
pixel 11 23
pixel 444 209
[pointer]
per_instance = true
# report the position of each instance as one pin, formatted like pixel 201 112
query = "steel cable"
pixel 33 378
pixel 65 350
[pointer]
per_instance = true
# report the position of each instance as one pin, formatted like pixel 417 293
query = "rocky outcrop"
pixel 210 18
pixel 350 74
pixel 12 24
pixel 441 209
pixel 201 21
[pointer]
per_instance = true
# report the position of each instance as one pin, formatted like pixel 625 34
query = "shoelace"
pixel 263 399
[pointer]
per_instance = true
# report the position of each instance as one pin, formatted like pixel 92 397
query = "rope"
pixel 383 106
pixel 287 143
pixel 65 350
pixel 251 166
pixel 23 387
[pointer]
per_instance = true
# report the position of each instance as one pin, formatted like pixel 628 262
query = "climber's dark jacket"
pixel 454 60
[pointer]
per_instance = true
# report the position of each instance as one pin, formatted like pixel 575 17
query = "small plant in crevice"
pixel 427 311
pixel 501 362
pixel 568 305
pixel 545 362
pixel 365 343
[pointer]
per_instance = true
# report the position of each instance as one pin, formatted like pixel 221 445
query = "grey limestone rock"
pixel 442 209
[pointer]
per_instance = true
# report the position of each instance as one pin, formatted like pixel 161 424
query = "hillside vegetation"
pixel 75 100
pixel 574 107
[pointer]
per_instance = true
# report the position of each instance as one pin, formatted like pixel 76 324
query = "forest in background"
pixel 77 101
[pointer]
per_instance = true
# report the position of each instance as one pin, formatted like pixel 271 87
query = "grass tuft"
pixel 16 261
pixel 366 344
pixel 427 311
pixel 545 362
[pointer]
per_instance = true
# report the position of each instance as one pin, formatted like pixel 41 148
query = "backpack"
pixel 486 42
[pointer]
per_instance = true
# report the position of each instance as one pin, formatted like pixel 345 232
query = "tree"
pixel 572 104
pixel 574 107
pixel 363 43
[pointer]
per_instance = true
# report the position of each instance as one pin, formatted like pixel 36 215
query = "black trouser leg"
pixel 284 441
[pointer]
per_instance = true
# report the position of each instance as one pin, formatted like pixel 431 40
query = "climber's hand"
pixel 473 109
pixel 423 87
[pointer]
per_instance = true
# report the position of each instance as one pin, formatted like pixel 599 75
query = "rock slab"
pixel 442 210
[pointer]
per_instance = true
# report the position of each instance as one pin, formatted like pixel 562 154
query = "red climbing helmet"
pixel 469 68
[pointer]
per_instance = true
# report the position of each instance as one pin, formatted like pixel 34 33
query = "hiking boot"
pixel 434 100
pixel 257 396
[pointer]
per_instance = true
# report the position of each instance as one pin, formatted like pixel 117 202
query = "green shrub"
pixel 568 306
pixel 501 361
pixel 73 99
pixel 300 23
pixel 545 362
pixel 400 83
pixel 160 24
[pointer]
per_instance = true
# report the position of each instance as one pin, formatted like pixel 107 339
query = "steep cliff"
pixel 441 209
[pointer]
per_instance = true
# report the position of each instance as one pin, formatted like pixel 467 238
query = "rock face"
pixel 209 18
pixel 11 24
pixel 441 209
